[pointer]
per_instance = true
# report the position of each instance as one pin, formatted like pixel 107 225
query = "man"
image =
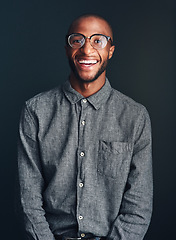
pixel 84 156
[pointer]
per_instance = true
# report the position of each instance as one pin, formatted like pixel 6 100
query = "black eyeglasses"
pixel 97 41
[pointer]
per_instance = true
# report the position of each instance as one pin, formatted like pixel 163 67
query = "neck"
pixel 87 89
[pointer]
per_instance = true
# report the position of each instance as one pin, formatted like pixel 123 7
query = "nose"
pixel 87 47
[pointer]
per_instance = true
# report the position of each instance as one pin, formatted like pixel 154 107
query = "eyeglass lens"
pixel 97 41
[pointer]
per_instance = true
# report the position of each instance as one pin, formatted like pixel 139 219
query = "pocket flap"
pixel 115 147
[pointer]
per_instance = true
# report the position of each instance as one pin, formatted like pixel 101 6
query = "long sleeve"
pixel 135 213
pixel 31 182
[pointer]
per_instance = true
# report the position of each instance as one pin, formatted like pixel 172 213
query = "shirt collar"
pixel 97 99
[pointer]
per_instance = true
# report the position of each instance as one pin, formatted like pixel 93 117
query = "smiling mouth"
pixel 87 62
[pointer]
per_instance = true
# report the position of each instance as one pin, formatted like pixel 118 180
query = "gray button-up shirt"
pixel 85 165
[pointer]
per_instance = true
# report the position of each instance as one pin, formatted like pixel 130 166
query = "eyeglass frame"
pixel 99 34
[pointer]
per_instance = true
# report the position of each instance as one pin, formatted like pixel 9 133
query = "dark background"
pixel 32 59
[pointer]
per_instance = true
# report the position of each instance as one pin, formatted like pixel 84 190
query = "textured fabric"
pixel 85 165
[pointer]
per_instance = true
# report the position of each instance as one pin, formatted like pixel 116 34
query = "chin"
pixel 85 80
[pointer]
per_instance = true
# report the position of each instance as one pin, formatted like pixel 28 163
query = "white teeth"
pixel 88 61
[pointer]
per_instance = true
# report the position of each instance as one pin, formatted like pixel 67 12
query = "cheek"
pixel 70 52
pixel 105 56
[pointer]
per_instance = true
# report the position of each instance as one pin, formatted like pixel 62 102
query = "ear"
pixel 111 51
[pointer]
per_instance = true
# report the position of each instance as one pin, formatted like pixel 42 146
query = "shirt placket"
pixel 81 156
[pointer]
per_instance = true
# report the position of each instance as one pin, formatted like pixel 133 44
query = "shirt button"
pixel 82 154
pixel 81 184
pixel 83 235
pixel 84 100
pixel 83 122
pixel 80 217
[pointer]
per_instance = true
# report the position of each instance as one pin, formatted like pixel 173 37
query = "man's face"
pixel 87 63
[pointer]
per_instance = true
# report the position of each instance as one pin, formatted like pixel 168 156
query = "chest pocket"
pixel 113 157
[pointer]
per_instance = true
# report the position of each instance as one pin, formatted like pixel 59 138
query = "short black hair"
pixel 86 16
